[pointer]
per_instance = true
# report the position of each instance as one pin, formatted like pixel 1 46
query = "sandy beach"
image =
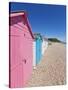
pixel 52 68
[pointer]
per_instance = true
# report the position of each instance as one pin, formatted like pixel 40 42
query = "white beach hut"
pixel 44 45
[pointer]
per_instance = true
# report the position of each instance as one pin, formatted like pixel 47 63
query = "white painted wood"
pixel 44 46
pixel 34 55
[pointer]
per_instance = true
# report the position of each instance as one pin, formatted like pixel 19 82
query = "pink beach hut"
pixel 21 50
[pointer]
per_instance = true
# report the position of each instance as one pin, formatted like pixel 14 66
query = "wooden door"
pixel 27 56
pixel 38 51
pixel 16 64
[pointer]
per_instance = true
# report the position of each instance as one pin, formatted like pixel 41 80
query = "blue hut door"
pixel 38 51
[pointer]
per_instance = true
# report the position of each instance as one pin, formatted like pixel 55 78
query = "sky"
pixel 49 20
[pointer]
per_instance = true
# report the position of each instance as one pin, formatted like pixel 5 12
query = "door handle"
pixel 24 60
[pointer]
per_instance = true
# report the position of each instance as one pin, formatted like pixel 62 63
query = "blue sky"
pixel 49 20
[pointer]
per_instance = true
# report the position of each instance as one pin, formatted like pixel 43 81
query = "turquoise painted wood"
pixel 38 50
pixel 38 40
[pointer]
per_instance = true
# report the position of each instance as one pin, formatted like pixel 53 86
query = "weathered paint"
pixel 21 52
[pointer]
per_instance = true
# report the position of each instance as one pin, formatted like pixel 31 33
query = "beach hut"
pixel 21 49
pixel 44 45
pixel 37 49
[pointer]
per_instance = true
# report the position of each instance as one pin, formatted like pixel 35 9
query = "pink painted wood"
pixel 20 53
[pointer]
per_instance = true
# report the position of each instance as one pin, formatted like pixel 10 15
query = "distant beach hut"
pixel 37 49
pixel 44 45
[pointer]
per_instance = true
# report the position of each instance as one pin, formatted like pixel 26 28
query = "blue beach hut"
pixel 37 48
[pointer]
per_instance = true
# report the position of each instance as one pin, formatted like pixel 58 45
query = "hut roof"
pixel 20 13
pixel 37 36
pixel 46 39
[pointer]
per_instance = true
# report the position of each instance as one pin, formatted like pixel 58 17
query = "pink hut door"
pixel 27 57
pixel 16 68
